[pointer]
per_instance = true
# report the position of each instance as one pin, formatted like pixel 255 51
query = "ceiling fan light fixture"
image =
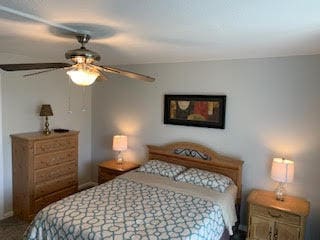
pixel 83 77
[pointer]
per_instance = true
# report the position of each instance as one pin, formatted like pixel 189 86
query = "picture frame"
pixel 195 110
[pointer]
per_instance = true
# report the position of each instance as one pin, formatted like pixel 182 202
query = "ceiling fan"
pixel 83 71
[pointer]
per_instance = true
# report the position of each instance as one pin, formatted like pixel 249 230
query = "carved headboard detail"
pixel 198 156
pixel 188 152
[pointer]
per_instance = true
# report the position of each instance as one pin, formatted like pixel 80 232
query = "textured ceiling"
pixel 144 31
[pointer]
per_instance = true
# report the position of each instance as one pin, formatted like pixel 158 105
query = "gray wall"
pixel 273 110
pixel 1 159
pixel 21 101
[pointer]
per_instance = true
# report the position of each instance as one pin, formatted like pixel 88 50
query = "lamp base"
pixel 120 158
pixel 280 191
pixel 46 130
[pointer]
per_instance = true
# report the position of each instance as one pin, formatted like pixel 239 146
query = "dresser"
pixel 45 170
pixel 276 220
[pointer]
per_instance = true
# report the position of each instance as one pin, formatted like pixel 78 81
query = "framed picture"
pixel 195 110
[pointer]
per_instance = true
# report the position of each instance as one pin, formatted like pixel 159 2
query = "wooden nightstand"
pixel 275 220
pixel 110 169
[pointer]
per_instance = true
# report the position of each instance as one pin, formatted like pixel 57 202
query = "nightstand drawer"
pixel 279 215
pixel 107 175
pixel 108 170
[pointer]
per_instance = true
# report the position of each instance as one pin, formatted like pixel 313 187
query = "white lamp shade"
pixel 120 143
pixel 82 77
pixel 282 170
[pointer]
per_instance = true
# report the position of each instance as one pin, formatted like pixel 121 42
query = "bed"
pixel 139 205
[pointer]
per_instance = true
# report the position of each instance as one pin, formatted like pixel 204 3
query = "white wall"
pixel 273 110
pixel 22 98
pixel 1 159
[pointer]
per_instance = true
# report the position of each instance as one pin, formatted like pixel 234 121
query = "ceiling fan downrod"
pixel 83 39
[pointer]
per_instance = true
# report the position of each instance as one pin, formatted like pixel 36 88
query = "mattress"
pixel 137 206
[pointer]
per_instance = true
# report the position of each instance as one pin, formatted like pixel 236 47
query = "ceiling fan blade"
pixel 32 66
pixel 127 73
pixel 44 71
pixel 102 77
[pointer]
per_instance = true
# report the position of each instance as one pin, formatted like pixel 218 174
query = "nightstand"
pixel 276 220
pixel 110 169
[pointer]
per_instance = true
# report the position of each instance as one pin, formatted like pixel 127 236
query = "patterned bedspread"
pixel 126 209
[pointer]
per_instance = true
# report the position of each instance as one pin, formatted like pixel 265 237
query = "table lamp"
pixel 120 143
pixel 282 171
pixel 45 112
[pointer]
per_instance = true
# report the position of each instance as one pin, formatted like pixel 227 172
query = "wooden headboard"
pixel 198 156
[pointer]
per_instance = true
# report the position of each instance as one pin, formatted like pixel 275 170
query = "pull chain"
pixel 69 97
pixel 83 109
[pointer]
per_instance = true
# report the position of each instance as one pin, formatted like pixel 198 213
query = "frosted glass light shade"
pixel 282 170
pixel 83 77
pixel 120 143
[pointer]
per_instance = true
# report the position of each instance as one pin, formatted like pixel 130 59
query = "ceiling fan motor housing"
pixel 82 55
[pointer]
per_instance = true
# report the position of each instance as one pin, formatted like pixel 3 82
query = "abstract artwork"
pixel 195 110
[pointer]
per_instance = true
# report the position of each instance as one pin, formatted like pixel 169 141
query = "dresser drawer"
pixel 55 185
pixel 53 197
pixel 55 172
pixel 281 216
pixel 53 145
pixel 51 159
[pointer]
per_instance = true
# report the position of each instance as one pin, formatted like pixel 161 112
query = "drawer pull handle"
pixel 270 233
pixel 276 234
pixel 274 215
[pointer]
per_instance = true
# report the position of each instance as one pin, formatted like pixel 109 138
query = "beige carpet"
pixel 12 228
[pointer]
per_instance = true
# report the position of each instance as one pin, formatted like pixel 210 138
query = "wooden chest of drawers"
pixel 45 170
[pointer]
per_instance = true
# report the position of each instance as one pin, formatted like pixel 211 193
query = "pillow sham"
pixel 162 168
pixel 214 181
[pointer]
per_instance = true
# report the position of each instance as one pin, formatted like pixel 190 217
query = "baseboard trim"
pixel 243 228
pixel 87 185
pixel 6 215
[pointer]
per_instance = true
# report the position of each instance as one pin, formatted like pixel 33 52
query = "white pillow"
pixel 215 181
pixel 162 168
